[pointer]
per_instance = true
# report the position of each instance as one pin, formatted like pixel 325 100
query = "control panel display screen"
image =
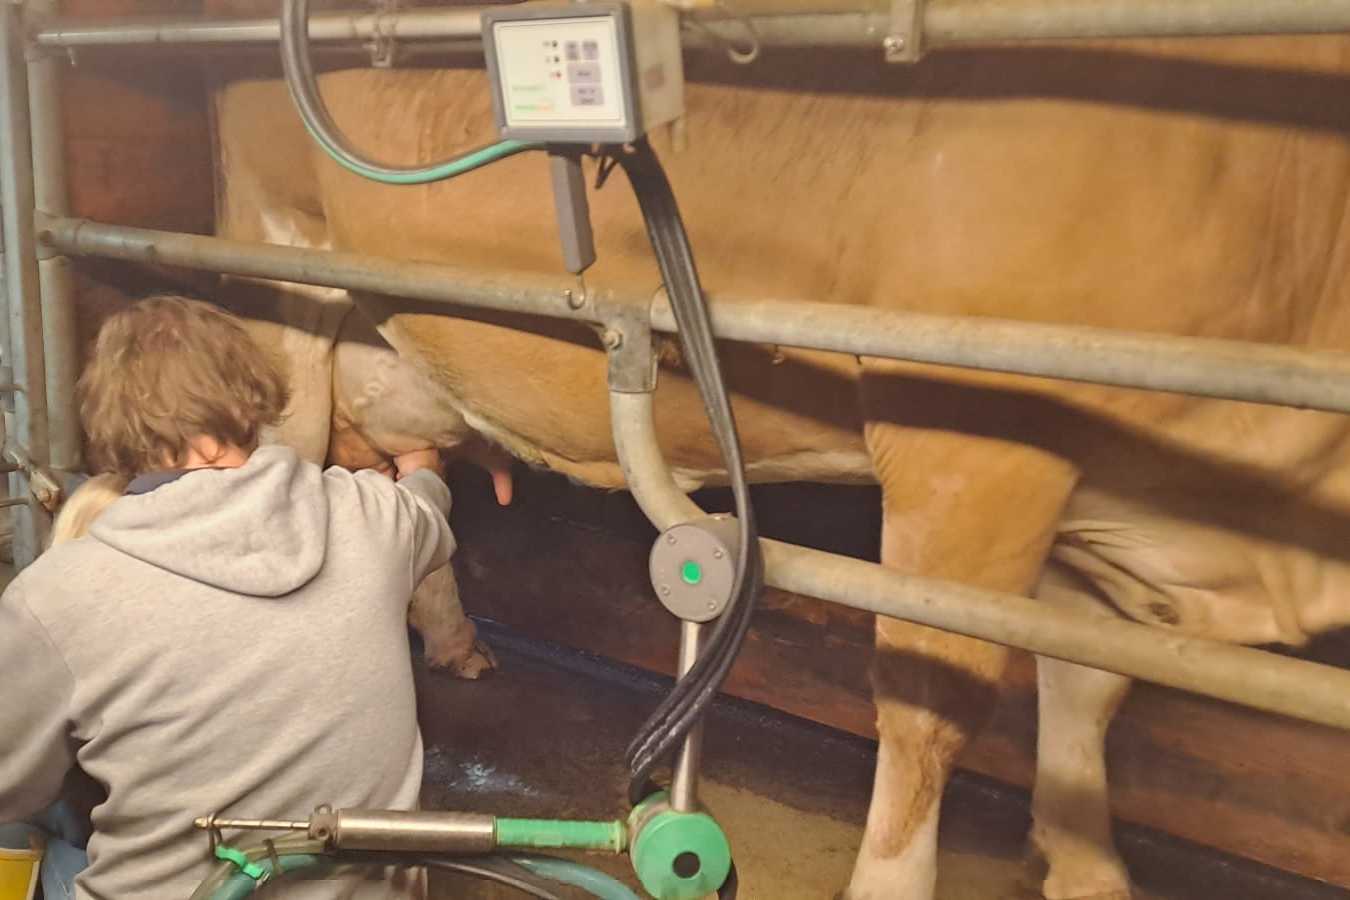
pixel 560 73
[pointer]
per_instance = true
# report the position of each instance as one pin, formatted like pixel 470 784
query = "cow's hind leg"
pixel 1072 830
pixel 967 507
pixel 449 637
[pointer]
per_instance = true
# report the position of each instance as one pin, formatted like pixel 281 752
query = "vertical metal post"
pixel 55 275
pixel 21 282
pixel 684 783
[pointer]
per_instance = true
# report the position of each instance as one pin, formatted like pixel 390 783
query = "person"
pixel 230 634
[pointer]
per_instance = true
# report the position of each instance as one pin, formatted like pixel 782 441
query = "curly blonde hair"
pixel 167 370
pixel 84 506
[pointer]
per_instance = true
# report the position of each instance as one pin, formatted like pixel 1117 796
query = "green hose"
pixel 224 876
pixel 239 885
pixel 304 89
pixel 228 882
pixel 466 162
pixel 565 871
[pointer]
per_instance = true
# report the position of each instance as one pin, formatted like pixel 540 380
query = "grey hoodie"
pixel 234 641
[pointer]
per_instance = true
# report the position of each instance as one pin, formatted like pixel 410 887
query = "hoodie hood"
pixel 260 529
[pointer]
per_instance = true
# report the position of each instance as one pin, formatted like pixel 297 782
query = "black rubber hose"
pixel 687 702
pixel 682 708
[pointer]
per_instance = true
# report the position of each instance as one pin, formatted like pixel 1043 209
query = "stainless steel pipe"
pixel 684 778
pixel 398 831
pixel 55 274
pixel 22 298
pixel 1234 370
pixel 1278 684
pixel 136 31
pixel 945 23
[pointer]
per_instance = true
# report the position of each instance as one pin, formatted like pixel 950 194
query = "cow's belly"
pixel 1184 569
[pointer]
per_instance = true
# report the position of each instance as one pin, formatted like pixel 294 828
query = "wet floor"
pixel 545 737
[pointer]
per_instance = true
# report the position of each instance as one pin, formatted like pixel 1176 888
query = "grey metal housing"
pixel 627 66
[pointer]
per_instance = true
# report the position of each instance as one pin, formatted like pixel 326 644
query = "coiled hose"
pixel 527 873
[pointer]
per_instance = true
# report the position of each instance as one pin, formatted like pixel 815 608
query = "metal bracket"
pixel 44 488
pixel 627 337
pixel 904 38
pixel 382 47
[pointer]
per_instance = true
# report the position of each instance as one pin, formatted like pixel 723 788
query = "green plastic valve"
pixel 677 855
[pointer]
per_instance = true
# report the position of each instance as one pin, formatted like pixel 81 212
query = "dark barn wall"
pixel 569 565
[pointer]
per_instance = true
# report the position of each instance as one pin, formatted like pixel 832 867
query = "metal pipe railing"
pixel 684 776
pixel 1233 370
pixel 136 31
pixel 1255 678
pixel 22 299
pixel 945 23
pixel 56 277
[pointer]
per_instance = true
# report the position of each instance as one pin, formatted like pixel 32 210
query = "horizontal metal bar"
pixel 1254 678
pixel 963 21
pixel 131 31
pixel 13 501
pixel 1205 367
pixel 1235 370
pixel 507 292
pixel 945 23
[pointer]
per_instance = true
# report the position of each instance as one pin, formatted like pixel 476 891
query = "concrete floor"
pixel 545 737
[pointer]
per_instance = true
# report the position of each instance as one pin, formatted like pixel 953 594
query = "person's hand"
pixel 407 463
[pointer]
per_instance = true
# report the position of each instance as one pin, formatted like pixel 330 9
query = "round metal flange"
pixel 693 565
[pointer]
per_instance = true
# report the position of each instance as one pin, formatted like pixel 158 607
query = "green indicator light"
pixel 691 572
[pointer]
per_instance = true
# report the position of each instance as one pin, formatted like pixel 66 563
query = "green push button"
pixel 691 572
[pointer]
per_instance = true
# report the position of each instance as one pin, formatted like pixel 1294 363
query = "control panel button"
pixel 583 73
pixel 587 95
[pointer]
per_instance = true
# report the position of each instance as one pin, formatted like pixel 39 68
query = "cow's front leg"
pixel 1072 830
pixel 450 639
pixel 970 506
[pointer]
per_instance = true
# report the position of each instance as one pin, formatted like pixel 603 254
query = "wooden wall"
pixel 568 565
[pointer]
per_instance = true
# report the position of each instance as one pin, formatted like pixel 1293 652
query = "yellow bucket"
pixel 19 873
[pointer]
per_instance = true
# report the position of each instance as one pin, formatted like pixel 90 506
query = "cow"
pixel 1195 188
pixel 343 377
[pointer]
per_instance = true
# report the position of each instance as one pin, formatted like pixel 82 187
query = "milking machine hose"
pixel 689 699
pixel 229 882
pixel 298 68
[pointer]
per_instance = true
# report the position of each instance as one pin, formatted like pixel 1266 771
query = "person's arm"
pixel 433 543
pixel 36 749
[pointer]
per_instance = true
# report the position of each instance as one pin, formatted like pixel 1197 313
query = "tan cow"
pixel 346 381
pixel 1189 188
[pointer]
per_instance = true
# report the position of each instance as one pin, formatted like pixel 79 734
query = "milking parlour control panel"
pixel 585 73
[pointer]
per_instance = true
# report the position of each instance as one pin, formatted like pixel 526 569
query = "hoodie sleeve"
pixel 426 500
pixel 36 750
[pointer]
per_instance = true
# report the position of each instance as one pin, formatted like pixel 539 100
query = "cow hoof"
pixel 1101 878
pixel 478 663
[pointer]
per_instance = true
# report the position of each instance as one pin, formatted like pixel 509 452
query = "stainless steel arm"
pixel 1254 678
